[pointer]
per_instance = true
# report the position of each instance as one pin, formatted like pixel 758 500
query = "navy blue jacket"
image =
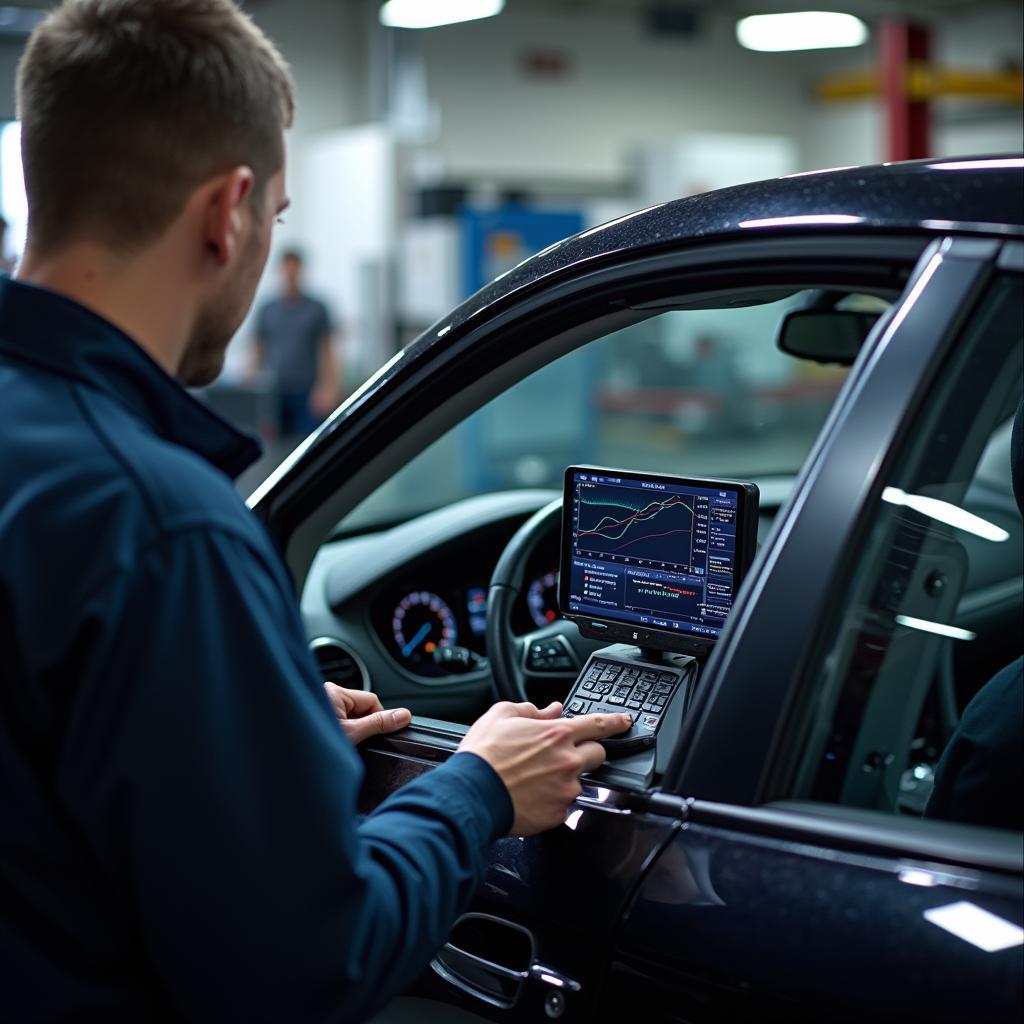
pixel 178 826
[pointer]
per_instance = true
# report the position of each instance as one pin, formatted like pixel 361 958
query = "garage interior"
pixel 425 162
pixel 440 147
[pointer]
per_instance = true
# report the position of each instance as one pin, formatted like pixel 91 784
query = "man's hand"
pixel 361 714
pixel 539 757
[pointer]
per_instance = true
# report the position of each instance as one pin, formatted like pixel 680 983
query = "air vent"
pixel 339 664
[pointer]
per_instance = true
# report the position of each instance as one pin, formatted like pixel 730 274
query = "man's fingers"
pixel 361 702
pixel 377 723
pixel 400 718
pixel 592 753
pixel 340 700
pixel 526 709
pixel 592 727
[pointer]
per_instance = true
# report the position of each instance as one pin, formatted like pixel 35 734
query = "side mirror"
pixel 825 335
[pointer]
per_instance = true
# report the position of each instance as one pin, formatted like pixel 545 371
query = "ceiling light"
pixel 417 14
pixel 800 30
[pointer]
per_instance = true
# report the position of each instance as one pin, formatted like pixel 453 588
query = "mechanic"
pixel 180 836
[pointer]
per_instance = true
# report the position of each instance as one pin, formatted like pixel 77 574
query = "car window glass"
pixel 700 392
pixel 916 705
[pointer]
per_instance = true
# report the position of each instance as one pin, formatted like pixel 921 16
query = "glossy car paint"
pixel 729 925
pixel 737 919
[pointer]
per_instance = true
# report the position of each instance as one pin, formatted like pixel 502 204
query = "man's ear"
pixel 225 213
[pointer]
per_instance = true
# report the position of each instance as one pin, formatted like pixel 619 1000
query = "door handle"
pixel 494 960
pixel 485 980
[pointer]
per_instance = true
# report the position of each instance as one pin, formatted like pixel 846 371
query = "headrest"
pixel 1017 457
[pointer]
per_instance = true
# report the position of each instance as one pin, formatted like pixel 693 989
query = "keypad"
pixel 642 692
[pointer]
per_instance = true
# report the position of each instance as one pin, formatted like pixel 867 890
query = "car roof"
pixel 973 195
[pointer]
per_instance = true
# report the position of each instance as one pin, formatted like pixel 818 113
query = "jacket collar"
pixel 56 334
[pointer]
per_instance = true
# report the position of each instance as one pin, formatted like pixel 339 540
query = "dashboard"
pixel 370 596
pixel 392 602
pixel 382 608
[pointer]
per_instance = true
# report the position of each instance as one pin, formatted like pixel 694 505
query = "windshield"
pixel 700 392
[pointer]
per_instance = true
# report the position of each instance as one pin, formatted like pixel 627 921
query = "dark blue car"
pixel 851 342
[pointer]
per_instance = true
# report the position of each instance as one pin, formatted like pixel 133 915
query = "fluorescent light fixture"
pixel 802 218
pixel 800 30
pixel 940 628
pixel 431 13
pixel 946 512
pixel 969 922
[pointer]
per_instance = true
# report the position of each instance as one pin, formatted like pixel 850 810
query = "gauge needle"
pixel 415 641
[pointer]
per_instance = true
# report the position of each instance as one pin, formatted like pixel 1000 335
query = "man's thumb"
pixel 399 718
pixel 380 722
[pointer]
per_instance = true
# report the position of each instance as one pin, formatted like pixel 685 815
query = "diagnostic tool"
pixel 652 563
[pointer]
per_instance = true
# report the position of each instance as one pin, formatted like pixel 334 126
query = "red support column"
pixel 908 118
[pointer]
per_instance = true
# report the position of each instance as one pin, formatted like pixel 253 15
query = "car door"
pixel 789 893
pixel 547 926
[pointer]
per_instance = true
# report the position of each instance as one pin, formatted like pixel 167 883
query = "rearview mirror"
pixel 825 335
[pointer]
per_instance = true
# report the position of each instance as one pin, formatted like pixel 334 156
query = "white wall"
pixel 624 88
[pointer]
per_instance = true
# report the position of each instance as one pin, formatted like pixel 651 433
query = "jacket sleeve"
pixel 206 771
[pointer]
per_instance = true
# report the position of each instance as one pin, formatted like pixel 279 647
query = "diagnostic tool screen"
pixel 654 553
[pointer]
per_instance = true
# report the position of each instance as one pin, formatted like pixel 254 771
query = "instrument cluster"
pixel 435 615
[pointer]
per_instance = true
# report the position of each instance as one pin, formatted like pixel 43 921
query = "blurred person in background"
pixel 295 344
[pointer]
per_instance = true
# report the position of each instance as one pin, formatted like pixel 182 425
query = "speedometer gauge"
pixel 422 623
pixel 542 599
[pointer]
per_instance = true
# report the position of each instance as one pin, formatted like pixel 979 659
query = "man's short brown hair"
pixel 128 105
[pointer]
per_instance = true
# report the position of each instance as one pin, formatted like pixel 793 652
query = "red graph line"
pixel 646 536
pixel 636 515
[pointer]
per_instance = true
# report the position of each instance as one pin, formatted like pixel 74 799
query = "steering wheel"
pixel 551 654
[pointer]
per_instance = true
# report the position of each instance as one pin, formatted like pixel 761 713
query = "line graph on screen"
pixel 619 521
